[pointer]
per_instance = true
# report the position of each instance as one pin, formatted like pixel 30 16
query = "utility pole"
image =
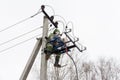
pixel 42 41
pixel 31 60
pixel 43 70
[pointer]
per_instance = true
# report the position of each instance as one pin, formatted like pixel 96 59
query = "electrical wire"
pixel 15 24
pixel 19 43
pixel 73 61
pixel 51 8
pixel 63 26
pixel 20 21
pixel 63 22
pixel 19 36
pixel 61 18
pixel 51 30
pixel 72 29
pixel 72 26
pixel 82 47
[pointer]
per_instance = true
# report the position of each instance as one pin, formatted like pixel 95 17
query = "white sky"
pixel 96 23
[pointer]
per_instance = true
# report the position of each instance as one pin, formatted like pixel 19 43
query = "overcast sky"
pixel 96 23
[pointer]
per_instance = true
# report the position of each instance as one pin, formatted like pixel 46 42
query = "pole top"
pixel 42 7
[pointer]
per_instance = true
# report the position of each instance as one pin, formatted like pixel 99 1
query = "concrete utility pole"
pixel 43 70
pixel 31 60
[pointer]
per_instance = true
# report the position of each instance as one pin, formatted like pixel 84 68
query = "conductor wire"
pixel 18 43
pixel 20 21
pixel 19 36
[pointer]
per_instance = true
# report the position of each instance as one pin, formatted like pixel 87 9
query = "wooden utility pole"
pixel 31 60
pixel 43 69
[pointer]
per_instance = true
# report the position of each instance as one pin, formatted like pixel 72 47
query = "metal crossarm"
pixel 63 49
pixel 73 42
pixel 50 18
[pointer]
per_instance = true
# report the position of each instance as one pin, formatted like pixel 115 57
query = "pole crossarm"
pixel 73 42
pixel 69 47
pixel 50 18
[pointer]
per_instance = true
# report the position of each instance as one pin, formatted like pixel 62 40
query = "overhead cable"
pixel 51 8
pixel 19 36
pixel 20 22
pixel 72 29
pixel 61 18
pixel 19 43
pixel 73 36
pixel 73 62
pixel 63 25
pixel 72 26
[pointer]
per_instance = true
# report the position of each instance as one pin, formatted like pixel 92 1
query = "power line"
pixel 73 62
pixel 72 26
pixel 63 26
pixel 61 18
pixel 20 22
pixel 19 36
pixel 51 8
pixel 72 29
pixel 19 43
